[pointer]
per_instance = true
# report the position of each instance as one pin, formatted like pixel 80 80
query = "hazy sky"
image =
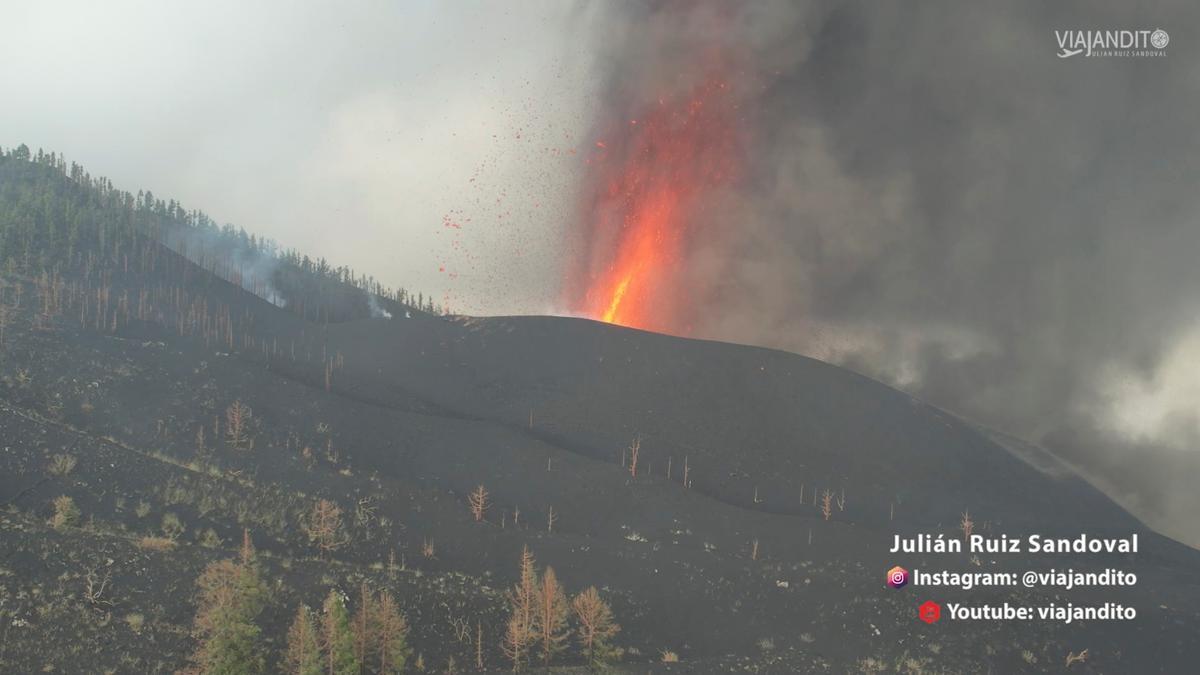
pixel 351 129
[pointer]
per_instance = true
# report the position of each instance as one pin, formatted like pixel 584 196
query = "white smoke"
pixel 377 312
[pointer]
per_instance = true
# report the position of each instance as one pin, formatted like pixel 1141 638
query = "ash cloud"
pixel 935 199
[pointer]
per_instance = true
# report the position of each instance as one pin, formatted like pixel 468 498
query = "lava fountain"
pixel 646 189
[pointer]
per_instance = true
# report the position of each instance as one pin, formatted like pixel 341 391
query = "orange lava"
pixel 646 193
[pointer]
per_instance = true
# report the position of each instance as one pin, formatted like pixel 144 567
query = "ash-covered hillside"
pixel 734 506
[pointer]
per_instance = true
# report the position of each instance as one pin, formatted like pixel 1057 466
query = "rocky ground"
pixel 735 568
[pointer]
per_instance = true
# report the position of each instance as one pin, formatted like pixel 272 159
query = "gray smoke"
pixel 935 199
pixel 253 270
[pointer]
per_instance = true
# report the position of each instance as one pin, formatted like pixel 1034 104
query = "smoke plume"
pixel 932 197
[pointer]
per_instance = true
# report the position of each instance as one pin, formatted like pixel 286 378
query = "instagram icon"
pixel 897 577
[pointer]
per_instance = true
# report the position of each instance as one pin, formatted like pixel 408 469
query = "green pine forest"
pixel 57 219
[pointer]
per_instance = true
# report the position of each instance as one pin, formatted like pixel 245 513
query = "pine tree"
pixel 519 634
pixel 247 554
pixel 324 526
pixel 338 638
pixel 550 619
pixel 232 649
pixel 596 627
pixel 478 501
pixel 231 597
pixel 516 642
pixel 250 586
pixel 237 422
pixel 364 626
pixel 391 636
pixel 303 656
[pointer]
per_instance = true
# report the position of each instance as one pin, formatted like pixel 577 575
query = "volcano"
pixel 754 533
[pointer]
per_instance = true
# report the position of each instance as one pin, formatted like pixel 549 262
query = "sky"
pixel 352 130
pixel 931 196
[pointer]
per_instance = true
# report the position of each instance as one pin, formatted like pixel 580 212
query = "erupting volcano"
pixel 645 195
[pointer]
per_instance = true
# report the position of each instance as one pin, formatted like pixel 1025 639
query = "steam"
pixel 935 199
pixel 223 255
pixel 377 312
